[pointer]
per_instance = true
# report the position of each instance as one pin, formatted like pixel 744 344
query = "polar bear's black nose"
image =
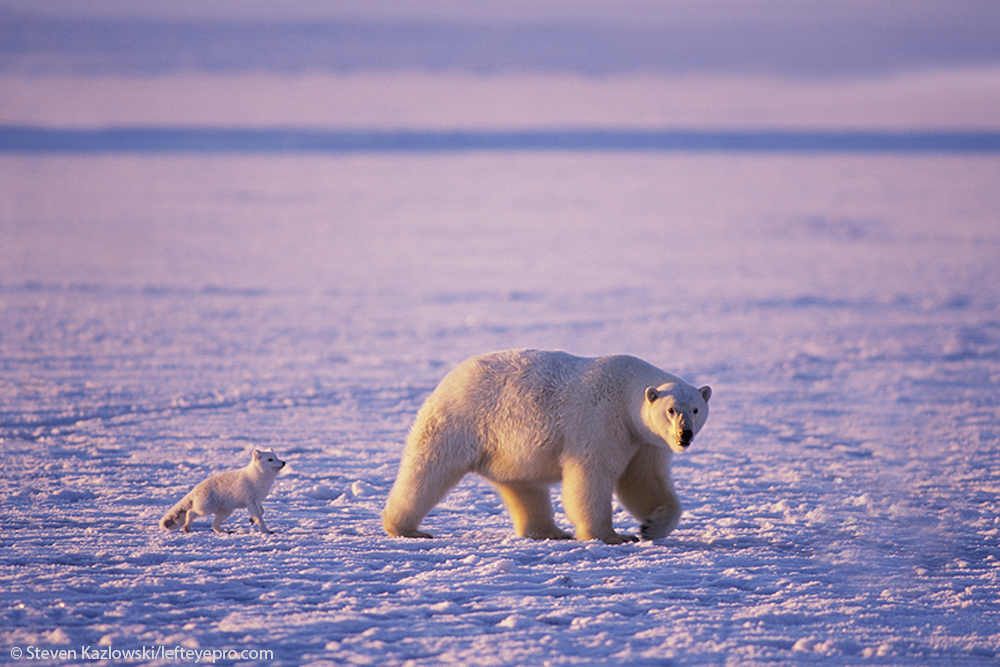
pixel 686 435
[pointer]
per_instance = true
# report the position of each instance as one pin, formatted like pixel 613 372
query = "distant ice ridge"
pixel 152 140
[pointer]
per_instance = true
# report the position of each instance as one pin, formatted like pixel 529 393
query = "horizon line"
pixel 26 139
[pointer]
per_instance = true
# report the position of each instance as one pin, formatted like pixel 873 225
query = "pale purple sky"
pixel 786 37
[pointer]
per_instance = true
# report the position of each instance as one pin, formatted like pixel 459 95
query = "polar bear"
pixel 527 419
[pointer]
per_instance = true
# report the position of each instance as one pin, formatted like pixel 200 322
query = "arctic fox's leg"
pixel 221 516
pixel 257 517
pixel 192 514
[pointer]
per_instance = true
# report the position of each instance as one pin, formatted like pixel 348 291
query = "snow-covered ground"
pixel 162 315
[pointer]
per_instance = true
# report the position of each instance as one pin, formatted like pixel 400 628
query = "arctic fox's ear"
pixel 256 454
pixel 652 394
pixel 706 392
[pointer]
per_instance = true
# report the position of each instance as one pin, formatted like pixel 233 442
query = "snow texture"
pixel 162 315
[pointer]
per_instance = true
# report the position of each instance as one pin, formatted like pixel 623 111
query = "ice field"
pixel 161 316
pixel 165 311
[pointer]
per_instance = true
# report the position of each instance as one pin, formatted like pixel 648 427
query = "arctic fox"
pixel 226 492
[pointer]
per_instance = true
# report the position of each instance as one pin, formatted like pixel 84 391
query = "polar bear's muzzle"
pixel 686 437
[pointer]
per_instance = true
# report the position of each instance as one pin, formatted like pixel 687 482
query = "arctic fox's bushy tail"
pixel 173 519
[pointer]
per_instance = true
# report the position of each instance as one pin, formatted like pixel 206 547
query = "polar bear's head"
pixel 675 412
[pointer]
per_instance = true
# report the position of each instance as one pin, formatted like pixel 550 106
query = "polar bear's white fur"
pixel 526 419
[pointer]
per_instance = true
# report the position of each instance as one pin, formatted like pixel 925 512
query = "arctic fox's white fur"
pixel 226 492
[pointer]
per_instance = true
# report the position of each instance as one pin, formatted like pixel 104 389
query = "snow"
pixel 162 314
pixel 956 99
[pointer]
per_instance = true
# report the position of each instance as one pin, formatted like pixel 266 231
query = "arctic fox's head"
pixel 267 461
pixel 676 412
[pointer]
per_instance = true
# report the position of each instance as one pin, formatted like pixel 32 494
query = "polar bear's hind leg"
pixel 587 499
pixel 435 461
pixel 531 510
pixel 414 494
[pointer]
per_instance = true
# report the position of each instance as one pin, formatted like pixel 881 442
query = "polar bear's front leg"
pixel 587 500
pixel 646 491
pixel 660 522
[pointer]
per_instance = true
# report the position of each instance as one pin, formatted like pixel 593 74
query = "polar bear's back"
pixel 517 409
pixel 527 379
pixel 511 381
pixel 507 403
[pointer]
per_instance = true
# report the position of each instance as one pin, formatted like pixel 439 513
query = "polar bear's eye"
pixel 670 411
pixel 696 410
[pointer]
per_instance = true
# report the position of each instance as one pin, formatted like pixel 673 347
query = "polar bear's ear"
pixel 652 394
pixel 706 392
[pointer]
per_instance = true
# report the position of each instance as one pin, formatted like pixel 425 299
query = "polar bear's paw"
pixel 649 531
pixel 549 534
pixel 659 524
pixel 415 533
pixel 620 539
